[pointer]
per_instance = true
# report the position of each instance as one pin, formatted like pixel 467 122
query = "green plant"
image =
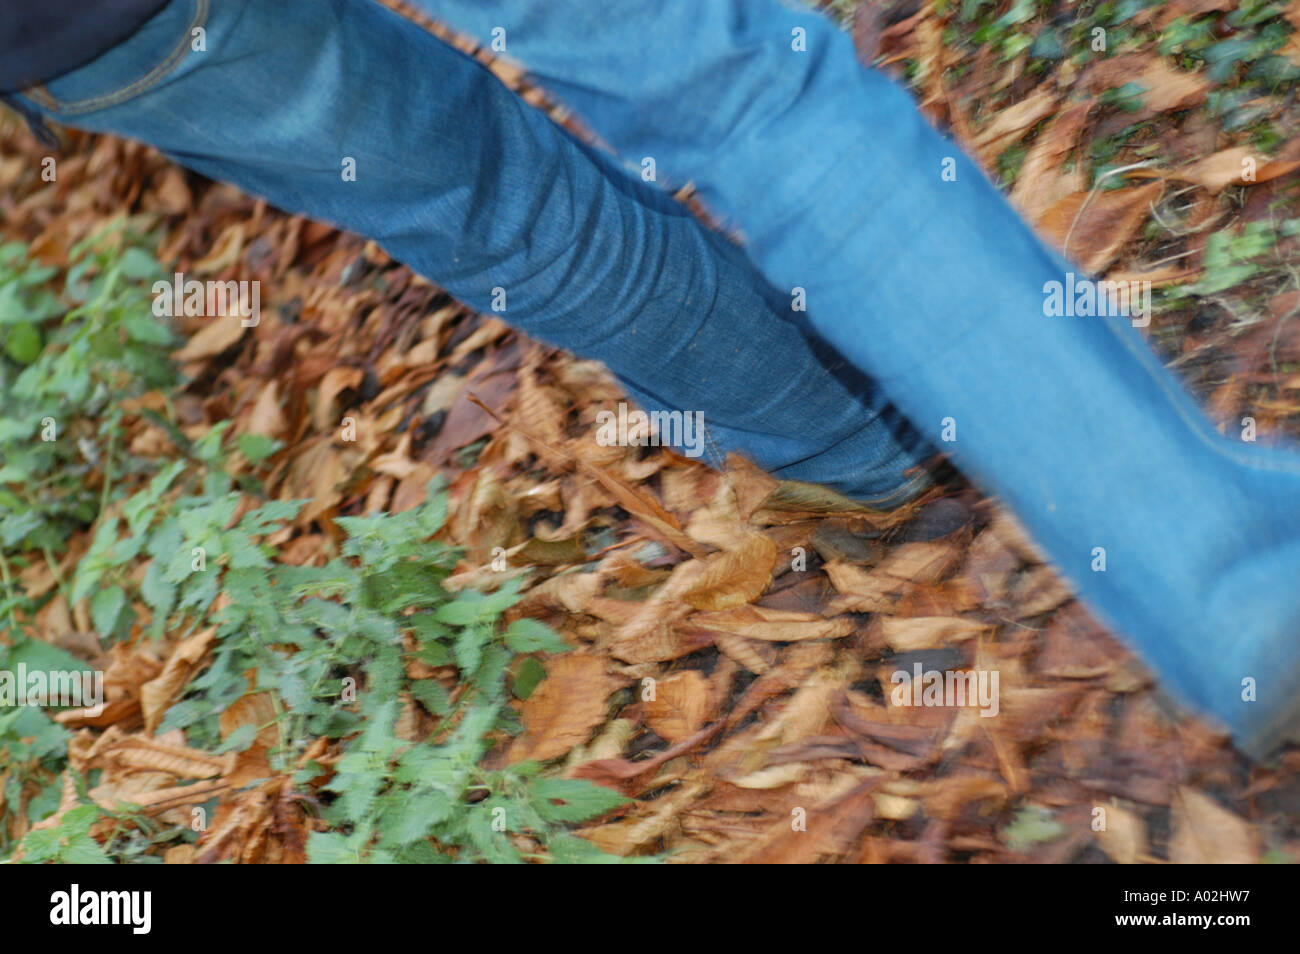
pixel 33 749
pixel 186 548
pixel 332 644
pixel 1234 257
pixel 69 360
pixel 69 842
pixel 1032 826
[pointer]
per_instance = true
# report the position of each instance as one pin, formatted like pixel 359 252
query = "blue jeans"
pixel 1187 542
pixel 463 182
pixel 934 286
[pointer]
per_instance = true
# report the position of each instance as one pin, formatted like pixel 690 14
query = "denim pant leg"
pixel 1189 543
pixel 463 182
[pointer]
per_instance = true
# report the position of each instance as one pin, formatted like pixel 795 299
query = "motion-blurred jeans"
pixel 1187 542
pixel 459 179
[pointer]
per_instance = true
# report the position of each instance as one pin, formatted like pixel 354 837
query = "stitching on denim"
pixel 719 462
pixel 42 96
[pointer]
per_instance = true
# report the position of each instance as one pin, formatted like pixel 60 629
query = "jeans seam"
pixel 40 95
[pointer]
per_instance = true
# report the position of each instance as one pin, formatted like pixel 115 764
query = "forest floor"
pixel 769 622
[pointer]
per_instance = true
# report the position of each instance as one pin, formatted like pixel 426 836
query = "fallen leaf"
pixel 224 253
pixel 680 706
pixel 156 696
pixel 1234 167
pixel 1011 123
pixel 734 577
pixel 1124 838
pixel 565 708
pixel 1043 179
pixel 928 632
pixel 212 339
pixel 1092 228
pixel 1206 833
pixel 759 622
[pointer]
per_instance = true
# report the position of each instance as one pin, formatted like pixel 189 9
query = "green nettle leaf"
pixel 432 696
pixel 138 264
pixel 158 592
pixel 469 651
pixel 572 800
pixel 527 677
pixel 256 447
pixel 570 850
pixel 332 848
pixel 464 610
pixel 408 816
pixel 16 526
pixel 145 328
pixel 70 842
pixel 492 668
pixel 239 740
pixel 106 608
pixel 526 635
pixel 488 827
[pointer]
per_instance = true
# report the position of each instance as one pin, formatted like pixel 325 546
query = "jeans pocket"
pixel 129 69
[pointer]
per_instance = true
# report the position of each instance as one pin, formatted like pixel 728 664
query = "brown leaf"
pixel 156 695
pixel 1014 121
pixel 626 836
pixel 928 632
pixel 1076 647
pixel 173 194
pixel 1206 833
pixel 1038 590
pixel 734 577
pixel 634 500
pixel 266 419
pixel 1171 10
pixel 1125 836
pixel 680 706
pixel 256 709
pixel 1092 228
pixel 1232 166
pixel 211 339
pixel 760 622
pixel 640 504
pixel 920 562
pixel 754 654
pixel 118 754
pixel 1164 89
pixel 335 382
pixel 562 712
pixel 1043 179
pixel 826 829
pixel 224 253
